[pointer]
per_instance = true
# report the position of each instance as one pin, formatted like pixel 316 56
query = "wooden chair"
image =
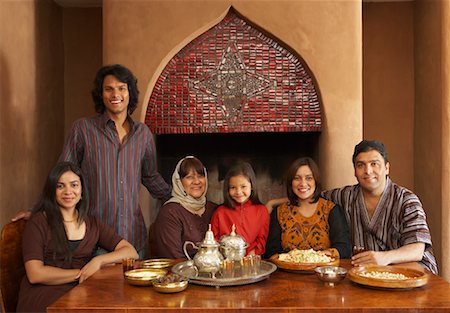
pixel 151 247
pixel 12 268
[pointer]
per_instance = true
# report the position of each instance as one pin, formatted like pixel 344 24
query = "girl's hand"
pixel 89 269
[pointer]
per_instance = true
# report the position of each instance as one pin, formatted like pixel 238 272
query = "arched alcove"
pixel 235 93
pixel 234 78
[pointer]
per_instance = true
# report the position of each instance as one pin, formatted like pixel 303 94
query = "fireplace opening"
pixel 270 154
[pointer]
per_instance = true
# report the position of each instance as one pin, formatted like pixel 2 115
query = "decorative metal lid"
pixel 209 238
pixel 233 240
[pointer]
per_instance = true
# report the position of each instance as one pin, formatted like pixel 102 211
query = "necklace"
pixel 72 220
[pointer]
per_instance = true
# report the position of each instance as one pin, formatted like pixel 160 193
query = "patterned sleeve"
pixel 150 177
pixel 334 195
pixel 73 147
pixel 415 228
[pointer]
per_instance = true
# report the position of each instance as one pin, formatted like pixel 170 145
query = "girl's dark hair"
pixel 244 169
pixel 124 75
pixel 292 171
pixel 189 164
pixel 47 203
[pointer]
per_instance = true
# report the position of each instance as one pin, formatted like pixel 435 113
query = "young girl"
pixel 307 220
pixel 60 238
pixel 242 208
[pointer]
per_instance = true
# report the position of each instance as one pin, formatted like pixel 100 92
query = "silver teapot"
pixel 233 246
pixel 208 259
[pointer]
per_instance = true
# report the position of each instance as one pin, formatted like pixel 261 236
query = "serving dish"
pixel 188 270
pixel 157 263
pixel 415 278
pixel 143 276
pixel 330 275
pixel 301 267
pixel 170 283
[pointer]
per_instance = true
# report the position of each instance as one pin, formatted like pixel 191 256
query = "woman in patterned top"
pixel 307 220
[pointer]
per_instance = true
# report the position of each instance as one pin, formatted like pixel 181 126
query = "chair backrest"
pixel 151 248
pixel 12 268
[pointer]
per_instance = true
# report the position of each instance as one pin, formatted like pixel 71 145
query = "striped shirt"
pixel 113 172
pixel 399 219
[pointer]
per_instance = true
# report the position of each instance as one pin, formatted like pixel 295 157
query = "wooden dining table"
pixel 282 291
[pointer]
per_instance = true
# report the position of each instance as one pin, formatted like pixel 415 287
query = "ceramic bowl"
pixel 330 275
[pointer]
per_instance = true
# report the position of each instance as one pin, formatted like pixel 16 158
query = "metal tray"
pixel 188 270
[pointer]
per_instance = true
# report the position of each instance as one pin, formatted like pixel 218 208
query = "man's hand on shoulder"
pixel 22 214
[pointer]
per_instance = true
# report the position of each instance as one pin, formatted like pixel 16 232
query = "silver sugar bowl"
pixel 233 246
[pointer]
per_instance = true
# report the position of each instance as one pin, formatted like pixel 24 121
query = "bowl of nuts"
pixel 170 283
pixel 330 275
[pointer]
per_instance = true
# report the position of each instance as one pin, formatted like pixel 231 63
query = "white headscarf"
pixel 179 195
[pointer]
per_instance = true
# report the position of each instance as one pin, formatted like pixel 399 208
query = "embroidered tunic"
pixel 326 228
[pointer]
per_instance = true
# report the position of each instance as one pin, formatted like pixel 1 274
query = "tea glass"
pixel 128 264
pixel 251 265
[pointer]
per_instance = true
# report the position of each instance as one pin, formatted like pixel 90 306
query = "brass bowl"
pixel 157 263
pixel 144 276
pixel 330 275
pixel 170 287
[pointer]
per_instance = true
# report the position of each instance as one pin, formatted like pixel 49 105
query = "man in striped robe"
pixel 385 219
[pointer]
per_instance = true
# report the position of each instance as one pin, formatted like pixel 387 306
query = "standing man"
pixel 385 219
pixel 116 154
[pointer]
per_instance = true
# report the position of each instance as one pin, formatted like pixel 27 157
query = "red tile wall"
pixel 234 78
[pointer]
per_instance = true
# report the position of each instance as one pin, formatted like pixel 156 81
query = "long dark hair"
pixel 292 171
pixel 124 75
pixel 244 169
pixel 47 203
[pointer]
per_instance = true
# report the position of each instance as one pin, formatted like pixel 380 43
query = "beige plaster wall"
pixel 388 83
pixel 327 34
pixel 445 186
pixel 428 130
pixel 83 48
pixel 31 92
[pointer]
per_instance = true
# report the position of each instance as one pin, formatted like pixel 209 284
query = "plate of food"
pixel 390 277
pixel 304 261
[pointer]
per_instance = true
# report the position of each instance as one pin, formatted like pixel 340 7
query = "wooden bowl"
pixel 143 276
pixel 415 278
pixel 301 267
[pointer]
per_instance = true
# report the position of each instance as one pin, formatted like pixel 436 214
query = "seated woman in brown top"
pixel 307 220
pixel 185 216
pixel 59 241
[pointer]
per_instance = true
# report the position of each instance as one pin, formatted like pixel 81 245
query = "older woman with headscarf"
pixel 186 215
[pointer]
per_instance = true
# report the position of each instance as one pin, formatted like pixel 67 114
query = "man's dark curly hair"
pixel 124 75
